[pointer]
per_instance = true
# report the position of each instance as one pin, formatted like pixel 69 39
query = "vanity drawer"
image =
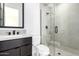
pixel 12 52
pixel 9 44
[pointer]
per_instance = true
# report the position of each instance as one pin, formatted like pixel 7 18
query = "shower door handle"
pixel 56 29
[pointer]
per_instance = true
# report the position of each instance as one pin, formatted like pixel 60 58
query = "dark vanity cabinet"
pixel 16 47
pixel 26 50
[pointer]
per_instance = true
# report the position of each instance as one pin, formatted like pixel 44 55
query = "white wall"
pixel 32 21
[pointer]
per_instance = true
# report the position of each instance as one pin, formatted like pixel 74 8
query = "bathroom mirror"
pixel 11 15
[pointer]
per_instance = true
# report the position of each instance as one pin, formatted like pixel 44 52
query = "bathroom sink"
pixel 10 37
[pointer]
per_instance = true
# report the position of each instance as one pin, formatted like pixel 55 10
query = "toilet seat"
pixel 43 50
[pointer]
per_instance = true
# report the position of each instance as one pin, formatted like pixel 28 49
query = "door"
pixel 67 20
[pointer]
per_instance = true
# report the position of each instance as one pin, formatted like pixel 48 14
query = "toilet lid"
pixel 42 49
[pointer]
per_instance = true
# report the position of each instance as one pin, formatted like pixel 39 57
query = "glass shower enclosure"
pixel 60 28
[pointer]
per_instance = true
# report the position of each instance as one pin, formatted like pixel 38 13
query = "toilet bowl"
pixel 41 50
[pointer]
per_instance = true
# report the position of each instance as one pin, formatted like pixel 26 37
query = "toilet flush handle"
pixel 56 29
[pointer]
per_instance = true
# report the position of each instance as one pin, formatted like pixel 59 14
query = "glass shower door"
pixel 67 20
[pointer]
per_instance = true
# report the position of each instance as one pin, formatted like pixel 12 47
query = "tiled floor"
pixel 54 51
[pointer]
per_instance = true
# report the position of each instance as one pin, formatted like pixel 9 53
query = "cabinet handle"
pixel 56 29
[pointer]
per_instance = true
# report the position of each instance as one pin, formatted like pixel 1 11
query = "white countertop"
pixel 11 37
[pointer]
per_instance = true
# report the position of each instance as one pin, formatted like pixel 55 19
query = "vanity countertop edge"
pixel 12 37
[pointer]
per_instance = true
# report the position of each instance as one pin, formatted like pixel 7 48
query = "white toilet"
pixel 40 50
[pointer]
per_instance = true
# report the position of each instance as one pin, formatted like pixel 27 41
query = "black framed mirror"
pixel 11 15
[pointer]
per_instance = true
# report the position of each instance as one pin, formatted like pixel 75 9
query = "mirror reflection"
pixel 11 14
